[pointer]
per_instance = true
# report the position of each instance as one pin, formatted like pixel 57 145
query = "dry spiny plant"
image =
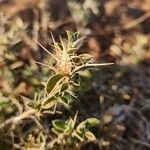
pixel 59 90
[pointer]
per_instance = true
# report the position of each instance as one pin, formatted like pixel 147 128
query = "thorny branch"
pixel 17 119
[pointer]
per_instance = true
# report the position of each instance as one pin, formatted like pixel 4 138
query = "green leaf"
pixel 91 122
pixel 64 87
pixel 4 102
pixel 82 58
pixel 65 101
pixel 72 36
pixel 89 135
pixel 50 104
pixel 69 35
pixel 75 36
pixel 86 124
pixel 53 82
pixel 59 125
pixel 85 57
pixel 70 125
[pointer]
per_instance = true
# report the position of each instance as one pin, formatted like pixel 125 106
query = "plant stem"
pixel 90 65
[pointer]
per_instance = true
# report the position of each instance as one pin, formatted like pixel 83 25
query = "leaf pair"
pixel 82 130
pixel 80 133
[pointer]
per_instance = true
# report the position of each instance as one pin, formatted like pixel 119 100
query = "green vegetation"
pixel 53 92
pixel 59 90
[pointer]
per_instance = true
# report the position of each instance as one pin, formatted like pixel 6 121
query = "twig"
pixel 37 122
pixel 140 142
pixel 89 65
pixel 137 21
pixel 15 120
pixel 17 104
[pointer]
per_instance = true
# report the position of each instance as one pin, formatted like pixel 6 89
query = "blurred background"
pixel 117 31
